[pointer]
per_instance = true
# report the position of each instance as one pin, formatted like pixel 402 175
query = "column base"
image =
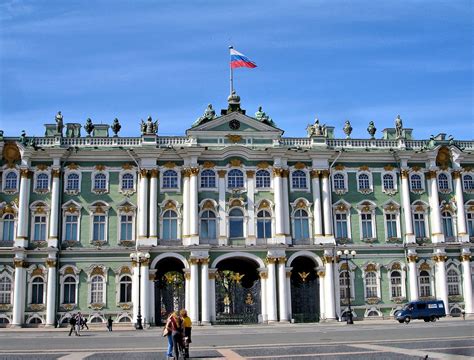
pixel 49 326
pixel 437 238
pixel 410 239
pixel 206 323
pixel 284 321
pixel 147 242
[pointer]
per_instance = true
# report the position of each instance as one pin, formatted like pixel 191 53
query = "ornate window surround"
pixel 267 205
pixel 426 265
pixel 449 180
pixel 177 170
pixel 367 207
pixel 245 217
pixel 392 207
pixel 453 264
pixel 8 209
pixel 209 205
pixel 107 182
pixel 346 187
pixel 36 271
pixel 71 208
pixel 342 207
pixel 121 175
pixel 119 275
pixel 175 206
pixel 469 210
pixel 395 182
pixel 370 189
pixel 99 208
pixel 422 180
pixel 125 207
pixel 342 266
pixel 101 271
pixel 6 171
pixel 7 271
pixel 39 208
pixel 68 171
pixel 401 268
pixel 244 176
pixel 37 173
pixel 306 171
pixel 64 272
pixel 301 204
pixel 270 174
pixel 451 209
pixel 466 190
pixel 375 268
pixel 216 177
pixel 419 206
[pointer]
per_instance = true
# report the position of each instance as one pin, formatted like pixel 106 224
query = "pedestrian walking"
pixel 187 325
pixel 84 324
pixel 109 323
pixel 72 322
pixel 78 323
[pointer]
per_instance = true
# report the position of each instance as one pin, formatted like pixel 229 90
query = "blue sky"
pixel 337 60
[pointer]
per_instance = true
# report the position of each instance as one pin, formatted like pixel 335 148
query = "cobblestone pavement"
pixel 447 339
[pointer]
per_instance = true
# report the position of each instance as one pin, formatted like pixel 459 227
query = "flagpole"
pixel 231 72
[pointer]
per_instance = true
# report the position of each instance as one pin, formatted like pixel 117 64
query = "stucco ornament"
pixel 371 129
pixel 398 127
pixel 316 129
pixel 260 115
pixel 89 126
pixel 149 127
pixel 347 129
pixel 209 114
pixel 116 126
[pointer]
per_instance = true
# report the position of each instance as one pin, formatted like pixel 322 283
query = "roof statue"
pixel 89 126
pixel 371 129
pixel 347 129
pixel 116 127
pixel 209 114
pixel 398 127
pixel 316 129
pixel 260 115
pixel 59 123
pixel 149 127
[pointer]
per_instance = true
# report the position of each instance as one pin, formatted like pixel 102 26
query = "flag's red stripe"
pixel 240 63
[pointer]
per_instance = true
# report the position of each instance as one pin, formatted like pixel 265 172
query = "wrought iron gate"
pixel 305 297
pixel 169 295
pixel 236 304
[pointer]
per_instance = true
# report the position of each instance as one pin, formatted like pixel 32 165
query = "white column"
pixel 222 208
pixel 251 238
pixel 135 290
pixel 205 292
pixel 144 286
pixel 54 215
pixel 263 295
pixel 153 218
pixel 23 211
pixel 441 281
pixel 154 318
pixel 193 207
pixel 317 222
pixel 461 215
pixel 282 293
pixel 51 293
pixel 143 204
pixel 285 199
pixel 186 206
pixel 288 293
pixel 271 291
pixel 409 235
pixel 436 232
pixel 467 284
pixel 327 211
pixel 329 303
pixel 194 291
pixel 413 277
pixel 212 294
pixel 277 187
pixel 322 296
pixel 19 292
pixel 187 290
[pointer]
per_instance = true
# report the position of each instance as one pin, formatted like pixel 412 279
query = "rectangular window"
pixel 71 228
pixel 236 228
pixel 126 227
pixel 391 223
pixel 341 226
pixel 470 224
pixel 366 226
pixel 396 283
pixel 99 228
pixel 420 230
pixel 40 228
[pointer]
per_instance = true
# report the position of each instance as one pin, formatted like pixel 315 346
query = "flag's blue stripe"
pixel 239 57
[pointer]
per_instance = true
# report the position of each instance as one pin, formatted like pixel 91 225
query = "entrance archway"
pixel 237 291
pixel 169 288
pixel 304 290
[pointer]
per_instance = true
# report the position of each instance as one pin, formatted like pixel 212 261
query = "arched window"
pixel 37 290
pixel 363 182
pixel 415 181
pixel 170 179
pixel 264 225
pixel 69 292
pixel 470 223
pixel 468 183
pixel 344 280
pixel 72 182
pixel 371 284
pixel 208 179
pixel 71 225
pixel 235 179
pixel 236 224
pixel 301 224
pixel 97 290
pixel 262 179
pixel 98 225
pixel 42 182
pixel 453 282
pixel 447 225
pixel 126 289
pixel 39 230
pixel 100 182
pixel 298 179
pixel 396 284
pixel 420 225
pixel 127 181
pixel 8 231
pixel 339 182
pixel 425 284
pixel 341 226
pixel 11 181
pixel 388 183
pixel 208 225
pixel 443 183
pixel 170 225
pixel 5 290
pixel 126 227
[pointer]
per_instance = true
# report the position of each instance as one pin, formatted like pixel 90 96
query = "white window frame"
pixel 306 189
pixel 7 274
pixel 64 272
pixel 370 189
pixel 367 207
pixel 175 206
pixel 449 267
pixel 134 180
pixel 2 224
pixel 469 211
pixel 7 171
pixel 66 176
pixel 178 179
pixel 451 211
pixel 263 188
pixel 376 270
pixel 431 279
pixel 127 209
pixel 37 173
pixel 93 211
pixel 44 211
pixel 216 178
pixel 403 275
pixel 449 180
pixel 244 219
pixel 392 208
pixel 295 206
pixel 31 277
pixel 95 190
pixel 216 214
pixel 420 207
pixel 385 190
pixel 90 274
pixel 119 287
pixel 342 207
pixel 346 186
pixel 238 189
pixel 272 228
pixel 68 211
pixel 351 271
pixel 422 180
pixel 464 187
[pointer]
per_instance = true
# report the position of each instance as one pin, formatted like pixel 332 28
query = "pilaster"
pixel 251 238
pixel 51 292
pixel 153 218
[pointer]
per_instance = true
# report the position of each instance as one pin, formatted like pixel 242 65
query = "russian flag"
pixel 240 60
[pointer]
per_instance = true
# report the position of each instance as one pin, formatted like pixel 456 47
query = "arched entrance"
pixel 238 291
pixel 304 290
pixel 169 288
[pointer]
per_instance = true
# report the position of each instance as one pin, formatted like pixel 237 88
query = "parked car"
pixel 430 310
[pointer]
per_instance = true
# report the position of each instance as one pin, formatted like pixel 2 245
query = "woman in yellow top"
pixel 187 325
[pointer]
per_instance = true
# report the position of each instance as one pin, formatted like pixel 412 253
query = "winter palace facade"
pixel 232 221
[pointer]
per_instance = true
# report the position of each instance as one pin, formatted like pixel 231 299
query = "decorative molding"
pixel 208 165
pixel 154 173
pixel 169 165
pixel 339 167
pixel 277 172
pixel 299 166
pixel 234 138
pixel 314 174
pixel 222 173
pixel 50 262
pixel 439 258
pixel 235 162
pixel 263 165
pixel 364 168
pixel 250 173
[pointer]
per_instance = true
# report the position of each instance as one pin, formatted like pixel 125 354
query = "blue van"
pixel 430 310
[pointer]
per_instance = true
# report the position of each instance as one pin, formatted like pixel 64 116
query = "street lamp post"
pixel 346 254
pixel 139 258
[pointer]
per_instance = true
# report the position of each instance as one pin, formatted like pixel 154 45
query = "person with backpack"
pixel 72 322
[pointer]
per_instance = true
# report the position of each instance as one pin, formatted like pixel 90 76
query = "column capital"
pixel 321 273
pixel 193 171
pixel 187 276
pixel 328 259
pixel 281 260
pixel 194 261
pixel 154 173
pixel 20 263
pixel 250 173
pixel 221 173
pixel 204 261
pixel 431 174
pixel 263 275
pixel 465 257
pixel 50 262
pixel 143 173
pixel 405 173
pixel 412 258
pixel 315 174
pixel 456 174
pixel 285 173
pixel 325 174
pixel 25 173
pixel 439 258
pixel 288 273
pixel 277 172
pixel 186 172
pixel 271 260
pixel 56 173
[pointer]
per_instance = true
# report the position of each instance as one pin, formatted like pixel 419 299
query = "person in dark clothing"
pixel 72 322
pixel 84 324
pixel 109 323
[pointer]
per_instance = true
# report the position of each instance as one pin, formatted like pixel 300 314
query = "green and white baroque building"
pixel 241 224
